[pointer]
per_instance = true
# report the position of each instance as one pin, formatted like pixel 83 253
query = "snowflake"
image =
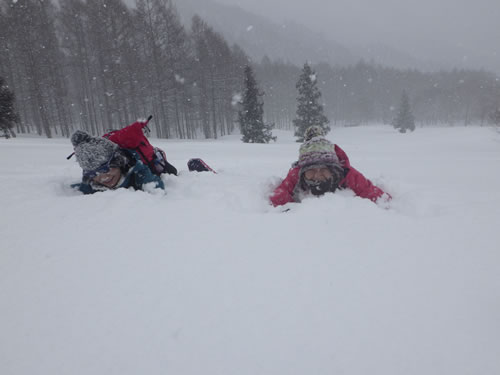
pixel 179 79
pixel 237 99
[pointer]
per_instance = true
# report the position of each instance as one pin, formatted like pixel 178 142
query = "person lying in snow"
pixel 132 137
pixel 106 166
pixel 322 167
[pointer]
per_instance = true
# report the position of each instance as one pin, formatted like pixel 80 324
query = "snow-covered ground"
pixel 209 279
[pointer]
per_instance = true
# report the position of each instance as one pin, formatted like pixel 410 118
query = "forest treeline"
pixel 367 92
pixel 98 65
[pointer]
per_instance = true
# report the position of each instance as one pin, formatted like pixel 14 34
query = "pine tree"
pixel 495 117
pixel 404 120
pixel 251 116
pixel 309 110
pixel 8 115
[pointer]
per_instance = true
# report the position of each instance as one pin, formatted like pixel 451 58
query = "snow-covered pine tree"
pixel 404 120
pixel 250 116
pixel 8 115
pixel 495 117
pixel 309 110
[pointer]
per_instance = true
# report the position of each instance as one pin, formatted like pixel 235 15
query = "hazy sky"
pixel 421 27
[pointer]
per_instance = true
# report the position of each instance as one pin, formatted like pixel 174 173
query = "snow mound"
pixel 210 279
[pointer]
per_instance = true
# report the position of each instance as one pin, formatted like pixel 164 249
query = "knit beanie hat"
pixel 92 152
pixel 313 131
pixel 317 151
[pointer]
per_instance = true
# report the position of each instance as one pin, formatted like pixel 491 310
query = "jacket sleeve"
pixel 355 180
pixel 283 194
pixel 84 188
pixel 361 186
pixel 143 176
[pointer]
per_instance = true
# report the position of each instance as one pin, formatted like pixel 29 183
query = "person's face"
pixel 318 174
pixel 109 179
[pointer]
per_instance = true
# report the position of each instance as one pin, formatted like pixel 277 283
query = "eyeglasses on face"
pixel 320 173
pixel 104 168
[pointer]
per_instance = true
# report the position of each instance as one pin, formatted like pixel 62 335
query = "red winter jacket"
pixel 353 180
pixel 133 138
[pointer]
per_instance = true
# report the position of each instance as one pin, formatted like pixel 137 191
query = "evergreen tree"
pixel 8 115
pixel 309 110
pixel 404 120
pixel 251 116
pixel 495 117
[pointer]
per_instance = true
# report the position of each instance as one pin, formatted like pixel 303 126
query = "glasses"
pixel 104 168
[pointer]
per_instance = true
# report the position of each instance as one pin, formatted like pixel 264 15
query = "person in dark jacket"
pixel 106 166
pixel 322 167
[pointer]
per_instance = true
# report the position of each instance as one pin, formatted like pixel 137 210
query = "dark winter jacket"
pixel 353 180
pixel 137 175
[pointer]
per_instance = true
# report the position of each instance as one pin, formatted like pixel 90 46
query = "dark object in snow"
pixel 198 165
pixel 160 164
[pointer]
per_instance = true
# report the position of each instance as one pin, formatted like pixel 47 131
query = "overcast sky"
pixel 421 27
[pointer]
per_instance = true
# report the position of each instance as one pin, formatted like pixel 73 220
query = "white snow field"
pixel 210 279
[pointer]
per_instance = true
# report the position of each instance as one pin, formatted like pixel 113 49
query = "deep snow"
pixel 210 279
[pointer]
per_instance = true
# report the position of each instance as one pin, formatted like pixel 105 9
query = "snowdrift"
pixel 210 279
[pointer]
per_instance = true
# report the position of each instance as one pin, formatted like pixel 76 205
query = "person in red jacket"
pixel 132 137
pixel 322 167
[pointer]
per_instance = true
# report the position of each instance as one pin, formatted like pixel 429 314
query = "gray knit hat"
pixel 92 152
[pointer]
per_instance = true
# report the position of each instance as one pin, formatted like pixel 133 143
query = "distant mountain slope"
pixel 388 56
pixel 296 43
pixel 260 37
